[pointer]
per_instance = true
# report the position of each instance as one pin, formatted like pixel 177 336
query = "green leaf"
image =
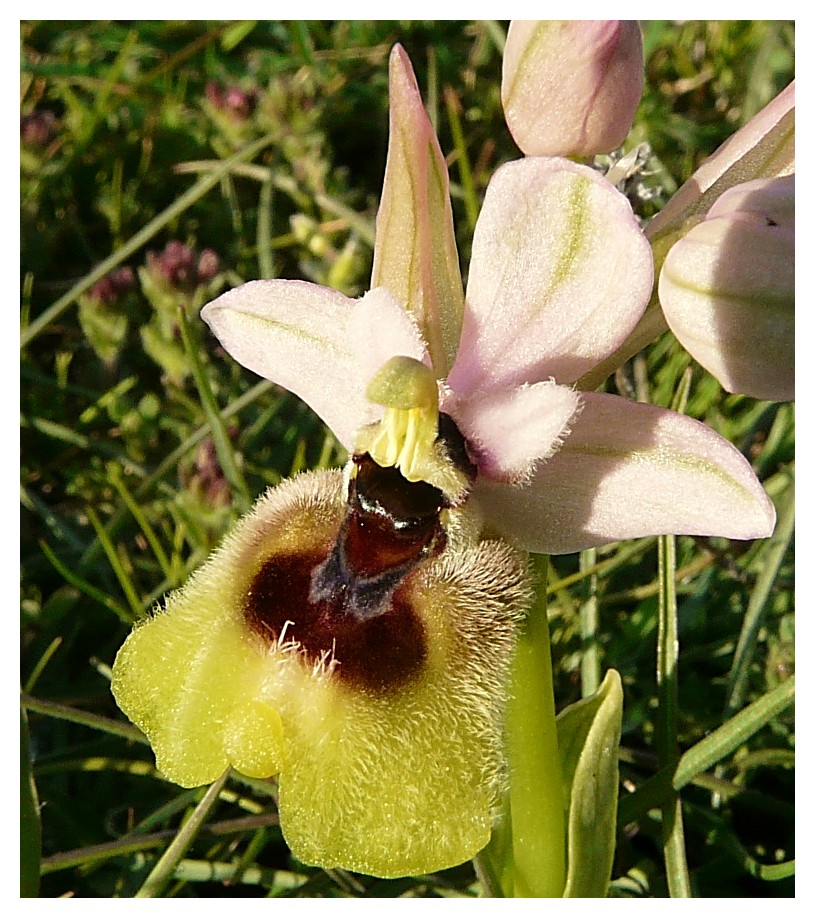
pixel 588 740
pixel 30 829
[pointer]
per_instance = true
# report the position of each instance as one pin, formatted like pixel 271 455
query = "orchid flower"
pixel 560 274
pixel 354 633
pixel 570 88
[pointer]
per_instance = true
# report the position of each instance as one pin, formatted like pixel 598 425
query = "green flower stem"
pixel 538 850
pixel 589 625
pixel 667 746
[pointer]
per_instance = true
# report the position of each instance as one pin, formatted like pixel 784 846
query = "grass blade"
pixel 115 562
pixel 163 872
pixel 87 588
pixel 714 747
pixel 30 829
pixel 223 446
pixel 85 718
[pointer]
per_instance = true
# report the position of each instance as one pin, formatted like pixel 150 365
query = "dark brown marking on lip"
pixel 351 601
pixel 376 653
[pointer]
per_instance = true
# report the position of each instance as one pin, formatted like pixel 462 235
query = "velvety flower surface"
pixel 385 731
pixel 571 88
pixel 727 289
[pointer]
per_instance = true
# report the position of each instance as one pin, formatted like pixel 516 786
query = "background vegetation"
pixel 162 162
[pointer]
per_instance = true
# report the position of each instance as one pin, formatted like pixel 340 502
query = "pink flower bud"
pixel 37 128
pixel 208 265
pixel 570 88
pixel 112 286
pixel 728 289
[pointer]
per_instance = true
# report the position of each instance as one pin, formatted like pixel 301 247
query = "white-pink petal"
pixel 310 340
pixel 510 431
pixel 560 274
pixel 379 329
pixel 415 254
pixel 629 470
pixel 763 148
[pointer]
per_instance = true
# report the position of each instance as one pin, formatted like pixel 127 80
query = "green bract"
pixel 588 740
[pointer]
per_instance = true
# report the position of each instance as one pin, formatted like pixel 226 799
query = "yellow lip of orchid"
pixel 385 729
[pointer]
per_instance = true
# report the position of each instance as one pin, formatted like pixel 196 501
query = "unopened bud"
pixel 727 289
pixel 571 88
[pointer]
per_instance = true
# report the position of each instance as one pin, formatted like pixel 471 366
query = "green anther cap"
pixel 404 383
